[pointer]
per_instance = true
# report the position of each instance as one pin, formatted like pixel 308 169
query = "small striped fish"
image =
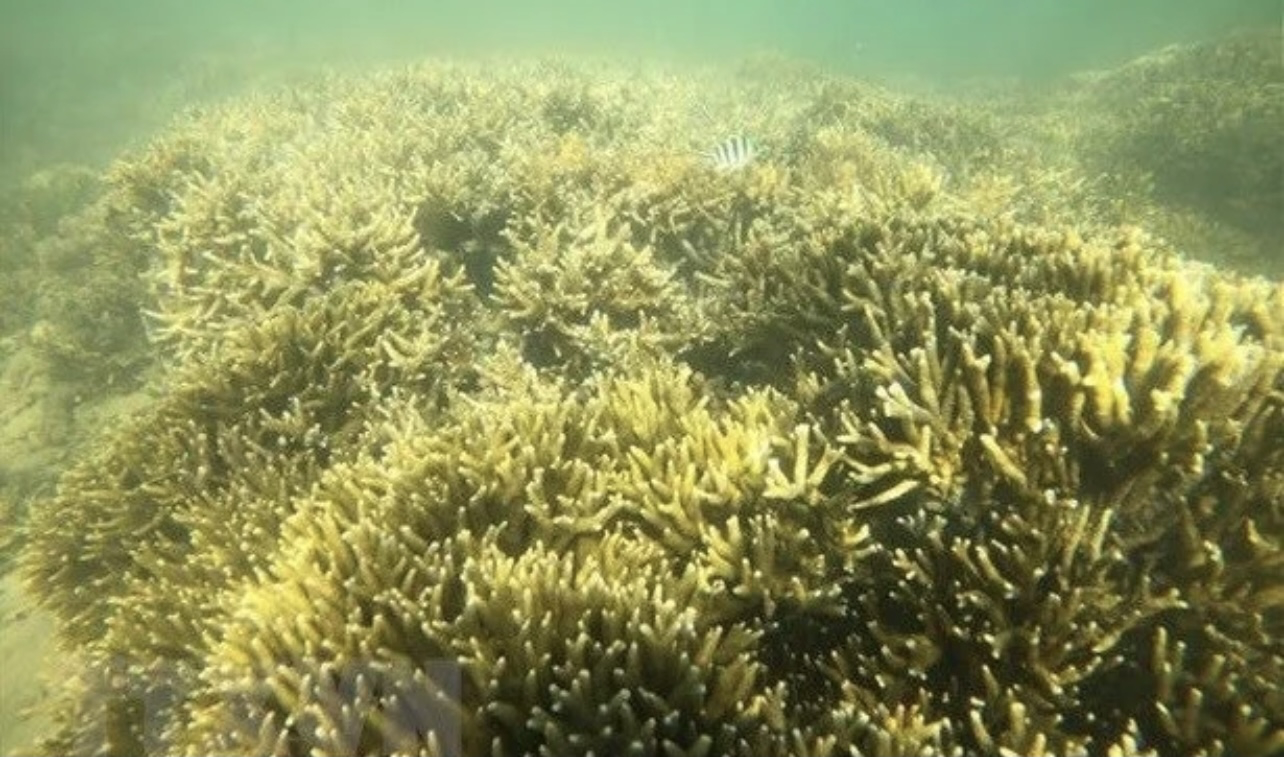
pixel 732 154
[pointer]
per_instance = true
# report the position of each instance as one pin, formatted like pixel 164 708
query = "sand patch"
pixel 27 662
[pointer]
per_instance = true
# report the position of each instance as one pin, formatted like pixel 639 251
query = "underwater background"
pixel 78 80
pixel 684 378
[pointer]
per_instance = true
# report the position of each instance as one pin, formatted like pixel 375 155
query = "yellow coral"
pixel 493 421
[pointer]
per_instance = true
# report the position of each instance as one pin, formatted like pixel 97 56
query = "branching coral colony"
pixel 498 423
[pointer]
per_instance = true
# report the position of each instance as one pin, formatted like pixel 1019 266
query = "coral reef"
pixel 494 421
pixel 1202 120
pixel 9 522
pixel 71 279
pixel 1199 122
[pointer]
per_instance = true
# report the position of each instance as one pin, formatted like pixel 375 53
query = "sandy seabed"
pixel 26 662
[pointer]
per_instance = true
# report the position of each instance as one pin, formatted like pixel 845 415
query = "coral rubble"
pixel 494 421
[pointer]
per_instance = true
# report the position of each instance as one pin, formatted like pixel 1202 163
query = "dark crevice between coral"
pixel 473 245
